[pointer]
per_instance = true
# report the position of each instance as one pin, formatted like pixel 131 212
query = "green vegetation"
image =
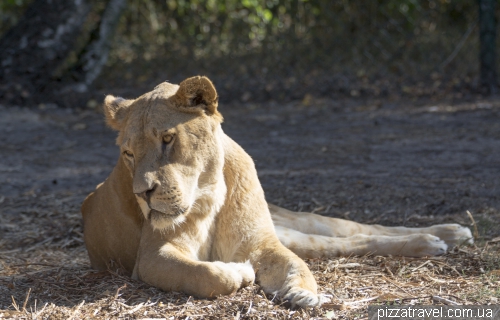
pixel 328 34
pixel 287 49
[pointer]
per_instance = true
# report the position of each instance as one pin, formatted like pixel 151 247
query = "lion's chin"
pixel 161 221
pixel 155 215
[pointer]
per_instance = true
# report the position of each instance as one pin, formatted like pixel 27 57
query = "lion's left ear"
pixel 196 94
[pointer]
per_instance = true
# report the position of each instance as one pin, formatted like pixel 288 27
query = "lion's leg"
pixel 310 223
pixel 169 268
pixel 281 272
pixel 317 246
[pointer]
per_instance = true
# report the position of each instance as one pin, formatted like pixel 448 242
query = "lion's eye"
pixel 128 153
pixel 168 138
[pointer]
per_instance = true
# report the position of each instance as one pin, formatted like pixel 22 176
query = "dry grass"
pixel 71 290
pixel 53 279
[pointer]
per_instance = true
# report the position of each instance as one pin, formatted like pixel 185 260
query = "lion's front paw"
pixel 453 234
pixel 304 298
pixel 242 273
pixel 246 271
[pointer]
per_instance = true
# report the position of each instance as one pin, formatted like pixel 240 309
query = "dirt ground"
pixel 393 163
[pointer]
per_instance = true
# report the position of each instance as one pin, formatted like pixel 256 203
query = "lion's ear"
pixel 197 93
pixel 116 110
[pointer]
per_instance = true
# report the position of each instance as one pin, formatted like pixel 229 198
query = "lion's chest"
pixel 206 239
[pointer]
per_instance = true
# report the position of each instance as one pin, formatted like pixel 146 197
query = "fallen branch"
pixel 26 300
pixel 476 233
pixel 445 301
pixel 458 47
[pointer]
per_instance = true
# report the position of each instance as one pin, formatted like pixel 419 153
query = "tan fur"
pixel 189 215
pixel 313 236
pixel 183 209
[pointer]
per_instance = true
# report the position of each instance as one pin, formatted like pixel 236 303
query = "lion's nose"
pixel 146 195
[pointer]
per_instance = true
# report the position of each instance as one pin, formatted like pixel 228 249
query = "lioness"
pixel 183 209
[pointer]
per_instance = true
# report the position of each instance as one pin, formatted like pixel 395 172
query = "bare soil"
pixel 393 163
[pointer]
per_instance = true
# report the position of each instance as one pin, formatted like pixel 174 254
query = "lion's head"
pixel 170 141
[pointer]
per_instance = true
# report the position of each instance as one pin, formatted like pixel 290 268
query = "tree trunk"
pixel 487 37
pixel 95 54
pixel 33 49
